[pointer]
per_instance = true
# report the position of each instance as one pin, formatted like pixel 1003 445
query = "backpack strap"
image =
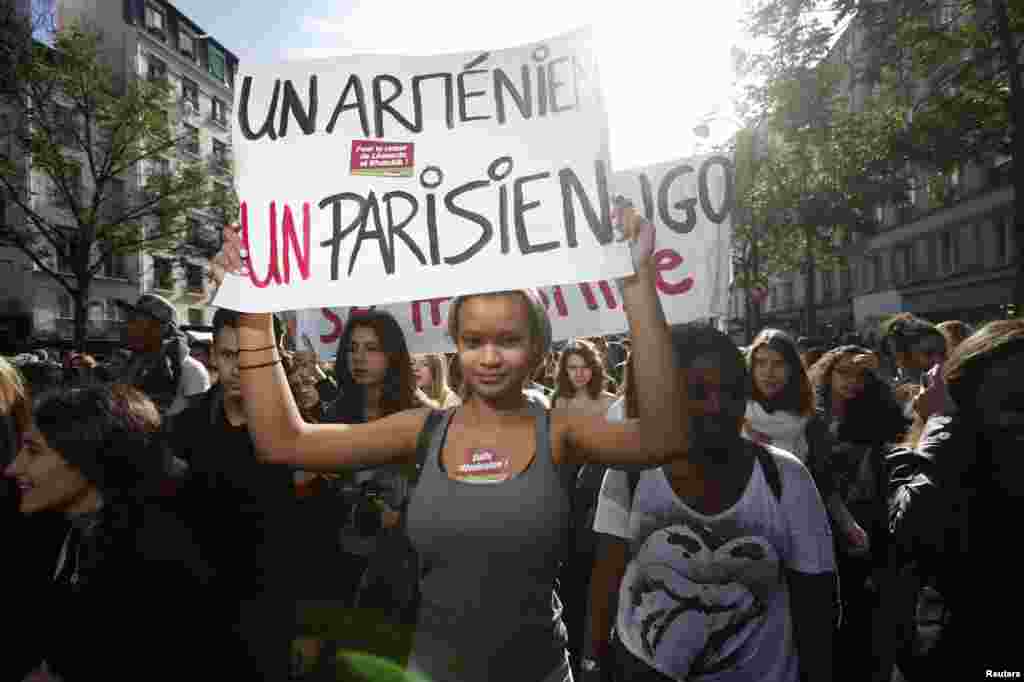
pixel 770 467
pixel 632 481
pixel 426 437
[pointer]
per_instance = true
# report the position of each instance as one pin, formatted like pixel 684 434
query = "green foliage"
pixel 956 73
pixel 821 171
pixel 95 138
pixel 820 166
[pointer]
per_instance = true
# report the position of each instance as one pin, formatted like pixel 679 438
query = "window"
pixel 217 62
pixel 195 317
pixel 65 308
pixel 922 259
pixel 115 201
pixel 159 167
pixel 827 291
pixel 195 278
pixel 155 19
pixel 190 140
pixel 975 237
pixel 949 251
pixel 1003 229
pixel 902 264
pixel 156 69
pixel 6 134
pixel 116 266
pixel 845 281
pixel 64 129
pixel 163 277
pixel 875 274
pixel 1001 173
pixel 218 114
pixel 186 43
pixel 193 231
pixel 190 93
pixel 221 156
pixel 947 14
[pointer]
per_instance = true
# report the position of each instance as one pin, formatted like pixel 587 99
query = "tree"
pixel 959 62
pixel 955 64
pixel 824 166
pixel 89 133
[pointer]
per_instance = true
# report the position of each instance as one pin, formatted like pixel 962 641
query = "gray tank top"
pixel 490 554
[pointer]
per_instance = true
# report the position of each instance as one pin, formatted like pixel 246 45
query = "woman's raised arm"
pixel 662 431
pixel 274 421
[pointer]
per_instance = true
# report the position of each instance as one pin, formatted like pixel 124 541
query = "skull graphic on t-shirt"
pixel 696 600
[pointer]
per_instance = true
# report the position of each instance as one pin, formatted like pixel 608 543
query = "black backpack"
pixel 391 580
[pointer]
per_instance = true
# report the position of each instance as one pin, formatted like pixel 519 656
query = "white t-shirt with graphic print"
pixel 705 597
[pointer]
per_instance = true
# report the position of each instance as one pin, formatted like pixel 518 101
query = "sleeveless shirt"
pixel 490 555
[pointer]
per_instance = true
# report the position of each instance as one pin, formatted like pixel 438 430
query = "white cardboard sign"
pixel 375 179
pixel 688 200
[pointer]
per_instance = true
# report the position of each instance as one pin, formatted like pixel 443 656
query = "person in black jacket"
pixel 242 512
pixel 34 540
pixel 955 503
pixel 129 586
pixel 861 418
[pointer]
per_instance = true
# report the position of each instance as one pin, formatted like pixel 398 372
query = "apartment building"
pixel 152 39
pixel 142 39
pixel 946 255
pixel 33 306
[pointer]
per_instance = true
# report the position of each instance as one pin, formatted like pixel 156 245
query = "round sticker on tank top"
pixel 484 465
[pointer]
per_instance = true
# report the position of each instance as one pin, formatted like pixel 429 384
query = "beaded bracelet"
pixel 264 364
pixel 255 350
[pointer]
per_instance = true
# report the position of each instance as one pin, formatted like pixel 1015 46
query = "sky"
pixel 664 64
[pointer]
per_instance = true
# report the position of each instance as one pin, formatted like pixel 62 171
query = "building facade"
pixel 947 254
pixel 141 39
pixel 152 39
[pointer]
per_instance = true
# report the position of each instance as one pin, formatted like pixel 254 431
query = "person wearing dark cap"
pixel 161 365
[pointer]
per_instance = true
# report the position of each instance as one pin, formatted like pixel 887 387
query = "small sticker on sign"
pixel 382 159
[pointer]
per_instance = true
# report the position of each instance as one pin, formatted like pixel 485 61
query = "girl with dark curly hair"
pixel 581 380
pixel 862 419
pixel 128 575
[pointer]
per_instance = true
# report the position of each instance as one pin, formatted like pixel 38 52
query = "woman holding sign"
pixel 490 514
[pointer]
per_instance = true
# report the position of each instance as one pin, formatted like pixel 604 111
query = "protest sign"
pixel 374 179
pixel 689 202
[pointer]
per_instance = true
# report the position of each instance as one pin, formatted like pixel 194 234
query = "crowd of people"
pixel 662 505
